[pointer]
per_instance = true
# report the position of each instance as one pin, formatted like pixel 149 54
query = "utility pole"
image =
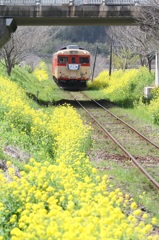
pixel 94 63
pixel 110 61
pixel 157 70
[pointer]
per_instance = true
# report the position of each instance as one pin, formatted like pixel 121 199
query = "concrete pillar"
pixel 7 26
pixel 157 70
pixel 147 92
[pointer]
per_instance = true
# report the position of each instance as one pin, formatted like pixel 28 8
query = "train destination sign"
pixel 73 66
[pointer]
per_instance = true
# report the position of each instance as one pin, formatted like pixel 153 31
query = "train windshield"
pixel 73 60
pixel 72 47
pixel 62 59
pixel 84 60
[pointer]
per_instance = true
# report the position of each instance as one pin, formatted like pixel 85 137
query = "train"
pixel 71 67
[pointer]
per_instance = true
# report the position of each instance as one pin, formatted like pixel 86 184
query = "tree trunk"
pixel 149 64
pixel 9 68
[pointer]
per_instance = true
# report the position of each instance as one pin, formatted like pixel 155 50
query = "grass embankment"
pixel 59 195
pixel 126 89
pixel 36 84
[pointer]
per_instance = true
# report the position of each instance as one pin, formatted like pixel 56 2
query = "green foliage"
pixel 90 34
pixel 3 70
pixel 87 37
pixel 57 186
pixel 29 69
pixel 42 91
pixel 124 59
pixel 123 87
pixel 53 46
pixel 100 82
pixel 26 80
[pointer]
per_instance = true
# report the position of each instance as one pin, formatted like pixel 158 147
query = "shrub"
pixel 123 87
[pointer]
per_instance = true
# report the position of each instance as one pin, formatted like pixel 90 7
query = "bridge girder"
pixel 39 15
pixel 7 26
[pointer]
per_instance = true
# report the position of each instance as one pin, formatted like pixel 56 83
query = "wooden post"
pixel 37 94
pixel 94 63
pixel 157 70
pixel 110 61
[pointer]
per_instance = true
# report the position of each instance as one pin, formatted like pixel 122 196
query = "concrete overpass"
pixel 12 16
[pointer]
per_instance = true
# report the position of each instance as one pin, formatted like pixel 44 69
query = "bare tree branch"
pixel 25 41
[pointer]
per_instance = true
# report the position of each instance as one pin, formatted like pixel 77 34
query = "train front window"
pixel 62 59
pixel 84 60
pixel 73 60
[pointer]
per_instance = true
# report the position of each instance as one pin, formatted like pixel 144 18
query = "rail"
pixel 135 162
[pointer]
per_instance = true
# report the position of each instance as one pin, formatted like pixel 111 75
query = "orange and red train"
pixel 71 67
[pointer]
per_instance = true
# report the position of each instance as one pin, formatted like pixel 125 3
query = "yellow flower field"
pixel 40 72
pixel 123 87
pixel 62 198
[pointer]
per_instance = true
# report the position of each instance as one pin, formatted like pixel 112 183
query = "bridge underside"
pixel 7 26
pixel 73 21
pixel 12 16
pixel 71 15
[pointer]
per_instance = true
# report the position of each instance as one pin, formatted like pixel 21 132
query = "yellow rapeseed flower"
pixel 133 205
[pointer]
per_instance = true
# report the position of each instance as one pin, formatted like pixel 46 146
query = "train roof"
pixel 72 49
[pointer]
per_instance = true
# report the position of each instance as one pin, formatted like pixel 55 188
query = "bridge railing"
pixel 17 2
pixel 34 2
pixel 54 2
pixel 83 2
pixel 75 2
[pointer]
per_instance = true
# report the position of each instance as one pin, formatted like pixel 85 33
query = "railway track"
pixel 126 137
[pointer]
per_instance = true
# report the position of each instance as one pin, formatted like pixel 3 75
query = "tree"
pixel 131 41
pixel 24 41
pixel 89 34
pixel 149 21
pixel 124 59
